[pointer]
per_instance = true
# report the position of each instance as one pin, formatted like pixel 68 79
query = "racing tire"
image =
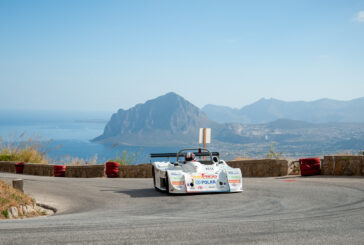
pixel 167 184
pixel 155 186
pixel 153 174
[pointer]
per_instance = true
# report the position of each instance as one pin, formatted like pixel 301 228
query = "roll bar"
pixel 200 153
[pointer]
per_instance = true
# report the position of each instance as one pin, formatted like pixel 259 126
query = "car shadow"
pixel 138 193
pixel 318 176
pixel 151 192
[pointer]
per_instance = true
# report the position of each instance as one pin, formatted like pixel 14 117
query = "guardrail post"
pixel 18 184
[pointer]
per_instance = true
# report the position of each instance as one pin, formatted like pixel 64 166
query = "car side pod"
pixel 176 182
pixel 235 180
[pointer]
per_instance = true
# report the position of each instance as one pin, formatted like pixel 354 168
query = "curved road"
pixel 287 210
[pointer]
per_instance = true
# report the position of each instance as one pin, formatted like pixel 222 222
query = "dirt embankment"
pixel 15 204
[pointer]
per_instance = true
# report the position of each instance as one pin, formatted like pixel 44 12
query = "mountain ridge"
pixel 267 110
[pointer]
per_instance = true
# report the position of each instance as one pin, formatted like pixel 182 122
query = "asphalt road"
pixel 315 210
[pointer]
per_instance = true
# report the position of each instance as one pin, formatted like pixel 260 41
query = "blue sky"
pixel 105 55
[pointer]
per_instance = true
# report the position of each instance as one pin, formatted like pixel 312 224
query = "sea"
pixel 70 138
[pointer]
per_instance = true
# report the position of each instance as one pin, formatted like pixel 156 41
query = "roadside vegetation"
pixel 125 158
pixel 23 149
pixel 10 197
pixel 77 161
pixel 272 154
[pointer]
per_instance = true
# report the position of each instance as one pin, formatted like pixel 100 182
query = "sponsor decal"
pixel 178 178
pixel 178 182
pixel 233 172
pixel 234 181
pixel 234 176
pixel 200 187
pixel 205 182
pixel 209 168
pixel 175 173
pixel 204 176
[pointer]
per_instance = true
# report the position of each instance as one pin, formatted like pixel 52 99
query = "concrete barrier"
pixel 8 167
pixel 261 167
pixel 136 171
pixel 85 171
pixel 343 165
pixel 38 169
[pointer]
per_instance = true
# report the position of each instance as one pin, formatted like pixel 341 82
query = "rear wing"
pixel 197 154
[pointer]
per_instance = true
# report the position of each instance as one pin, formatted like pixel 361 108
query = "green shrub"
pixel 5 213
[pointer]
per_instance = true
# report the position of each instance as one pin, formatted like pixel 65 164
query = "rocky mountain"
pixel 166 120
pixel 267 110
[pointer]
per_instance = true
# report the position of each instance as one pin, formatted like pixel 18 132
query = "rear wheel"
pixel 153 174
pixel 154 182
pixel 167 184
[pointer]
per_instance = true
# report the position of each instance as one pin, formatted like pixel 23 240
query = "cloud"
pixel 360 17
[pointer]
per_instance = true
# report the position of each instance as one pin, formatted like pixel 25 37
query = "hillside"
pixel 267 110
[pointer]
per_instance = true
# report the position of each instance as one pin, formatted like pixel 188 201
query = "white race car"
pixel 188 175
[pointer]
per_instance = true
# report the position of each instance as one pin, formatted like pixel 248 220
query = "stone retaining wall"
pixel 136 171
pixel 38 169
pixel 85 171
pixel 331 165
pixel 261 168
pixel 8 167
pixel 343 165
pixel 250 168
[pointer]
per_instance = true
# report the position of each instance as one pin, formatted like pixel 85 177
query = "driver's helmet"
pixel 189 156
